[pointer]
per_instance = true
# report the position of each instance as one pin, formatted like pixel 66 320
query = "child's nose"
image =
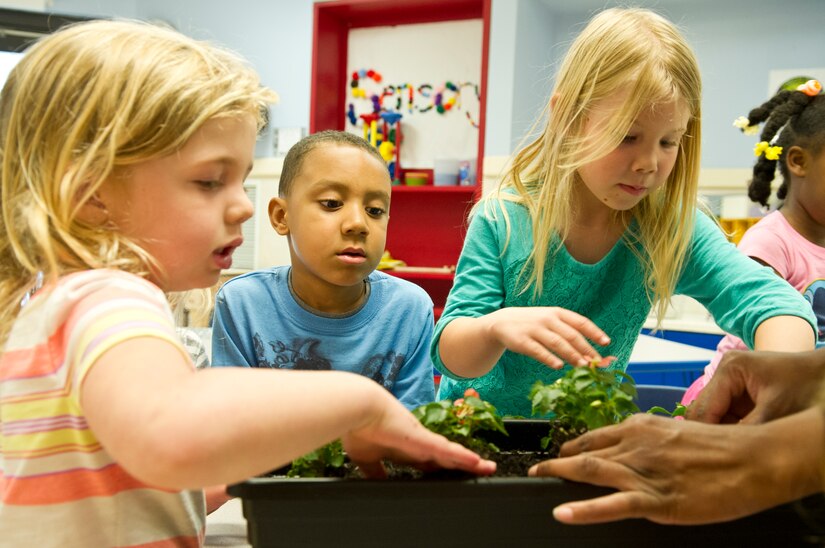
pixel 241 209
pixel 646 162
pixel 355 221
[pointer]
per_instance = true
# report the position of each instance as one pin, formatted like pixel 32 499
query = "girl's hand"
pixel 685 472
pixel 550 335
pixel 396 434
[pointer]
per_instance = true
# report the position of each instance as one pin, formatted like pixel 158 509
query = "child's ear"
pixel 277 216
pixel 93 211
pixel 797 161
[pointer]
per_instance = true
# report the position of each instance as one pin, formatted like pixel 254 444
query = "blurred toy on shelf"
pixel 416 178
pixel 735 228
pixel 387 262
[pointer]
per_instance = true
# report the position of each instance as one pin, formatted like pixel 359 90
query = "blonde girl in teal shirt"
pixel 595 223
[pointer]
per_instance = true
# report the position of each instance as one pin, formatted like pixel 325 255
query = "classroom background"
pixel 745 48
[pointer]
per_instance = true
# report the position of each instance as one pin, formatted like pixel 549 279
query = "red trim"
pixel 372 13
pixel 482 107
pixel 426 229
pixel 470 190
pixel 331 24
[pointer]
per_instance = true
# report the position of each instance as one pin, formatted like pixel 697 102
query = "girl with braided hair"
pixel 791 239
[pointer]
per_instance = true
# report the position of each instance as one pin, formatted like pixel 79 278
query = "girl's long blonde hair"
pixel 88 100
pixel 640 54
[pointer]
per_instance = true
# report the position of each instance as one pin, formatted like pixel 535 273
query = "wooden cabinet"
pixel 427 223
pixel 427 228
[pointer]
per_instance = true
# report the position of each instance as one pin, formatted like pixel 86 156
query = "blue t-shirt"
pixel 258 323
pixel 738 292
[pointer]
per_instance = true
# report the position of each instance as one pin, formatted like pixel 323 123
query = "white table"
pixel 226 526
pixel 651 349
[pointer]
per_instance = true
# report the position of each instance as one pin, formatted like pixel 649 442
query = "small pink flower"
pixel 604 362
pixel 470 392
pixel 459 402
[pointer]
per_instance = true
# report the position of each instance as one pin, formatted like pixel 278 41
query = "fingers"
pixel 418 447
pixel 594 440
pixel 372 469
pixel 561 336
pixel 455 456
pixel 588 468
pixel 584 326
pixel 714 403
pixel 611 507
pixel 711 411
pixel 540 352
pixel 728 395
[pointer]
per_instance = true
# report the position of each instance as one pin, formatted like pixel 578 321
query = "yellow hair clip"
pixel 810 88
pixel 771 152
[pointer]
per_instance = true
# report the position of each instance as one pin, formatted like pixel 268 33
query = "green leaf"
pixel 658 409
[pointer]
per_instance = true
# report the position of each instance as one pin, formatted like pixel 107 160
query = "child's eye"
pixel 209 184
pixel 376 211
pixel 670 144
pixel 629 139
pixel 330 204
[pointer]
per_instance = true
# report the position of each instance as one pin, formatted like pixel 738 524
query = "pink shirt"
pixel 774 241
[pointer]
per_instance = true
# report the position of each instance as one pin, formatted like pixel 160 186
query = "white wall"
pixel 736 41
pixel 737 44
pixel 414 55
pixel 28 5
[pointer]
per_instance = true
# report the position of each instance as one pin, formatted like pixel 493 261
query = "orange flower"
pixel 810 88
pixel 470 392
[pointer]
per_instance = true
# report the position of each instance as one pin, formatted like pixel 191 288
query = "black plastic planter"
pixel 479 512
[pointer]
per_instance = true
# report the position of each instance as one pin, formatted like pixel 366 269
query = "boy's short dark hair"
pixel 295 157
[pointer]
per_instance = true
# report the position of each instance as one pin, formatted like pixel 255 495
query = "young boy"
pixel 330 309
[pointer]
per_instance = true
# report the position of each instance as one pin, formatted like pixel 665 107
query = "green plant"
pixel 319 463
pixel 461 419
pixel 585 398
pixel 678 411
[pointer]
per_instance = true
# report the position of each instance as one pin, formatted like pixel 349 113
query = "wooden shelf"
pixel 432 188
pixel 419 275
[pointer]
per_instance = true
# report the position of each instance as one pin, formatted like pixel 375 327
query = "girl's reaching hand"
pixel 550 335
pixel 395 434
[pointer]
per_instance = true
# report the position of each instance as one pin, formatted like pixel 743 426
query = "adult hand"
pixel 395 434
pixel 684 472
pixel 548 334
pixel 755 387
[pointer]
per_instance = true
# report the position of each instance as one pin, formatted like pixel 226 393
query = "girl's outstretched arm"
pixel 173 427
pixel 470 347
pixel 785 334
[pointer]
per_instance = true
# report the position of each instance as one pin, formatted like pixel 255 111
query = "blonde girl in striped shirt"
pixel 124 150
